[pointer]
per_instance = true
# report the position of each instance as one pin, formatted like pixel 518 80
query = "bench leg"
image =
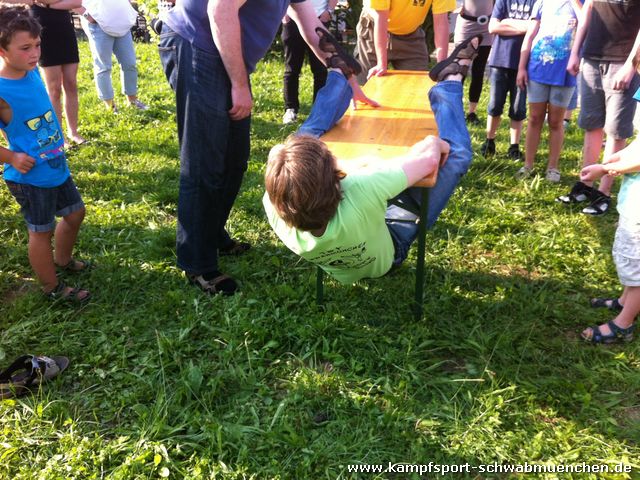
pixel 422 233
pixel 319 286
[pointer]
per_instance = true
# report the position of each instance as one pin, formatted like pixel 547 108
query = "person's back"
pixel 348 236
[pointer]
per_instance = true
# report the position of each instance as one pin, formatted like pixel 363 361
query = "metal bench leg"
pixel 319 286
pixel 422 233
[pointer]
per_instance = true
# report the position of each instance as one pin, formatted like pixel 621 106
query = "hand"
pixel 359 96
pixel 592 173
pixel 241 102
pixel 21 162
pixel 573 67
pixel 522 80
pixel 325 17
pixel 377 71
pixel 433 148
pixel 622 79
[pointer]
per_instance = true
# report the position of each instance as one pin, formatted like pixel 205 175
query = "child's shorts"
pixel 553 94
pixel 626 252
pixel 40 206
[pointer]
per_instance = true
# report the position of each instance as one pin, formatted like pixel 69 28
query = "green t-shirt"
pixel 629 197
pixel 356 243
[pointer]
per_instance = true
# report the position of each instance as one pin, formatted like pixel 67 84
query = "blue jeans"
pixel 503 82
pixel 446 102
pixel 214 150
pixel 103 46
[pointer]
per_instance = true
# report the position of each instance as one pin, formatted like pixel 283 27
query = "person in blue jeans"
pixel 208 65
pixel 341 222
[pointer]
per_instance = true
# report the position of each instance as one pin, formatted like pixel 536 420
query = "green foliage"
pixel 165 382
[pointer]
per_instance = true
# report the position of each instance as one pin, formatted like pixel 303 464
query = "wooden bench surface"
pixel 386 132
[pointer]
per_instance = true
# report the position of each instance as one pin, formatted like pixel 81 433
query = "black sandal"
pixel 234 249
pixel 580 192
pixel 27 373
pixel 451 65
pixel 612 304
pixel 339 58
pixel 63 293
pixel 618 334
pixel 223 284
pixel 75 266
pixel 599 205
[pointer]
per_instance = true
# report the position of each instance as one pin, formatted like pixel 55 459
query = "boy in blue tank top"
pixel 35 167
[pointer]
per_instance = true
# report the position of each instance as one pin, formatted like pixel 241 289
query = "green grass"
pixel 166 382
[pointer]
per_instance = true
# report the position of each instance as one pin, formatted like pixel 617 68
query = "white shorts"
pixel 626 252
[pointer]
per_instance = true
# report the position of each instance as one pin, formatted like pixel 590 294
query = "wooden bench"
pixel 404 118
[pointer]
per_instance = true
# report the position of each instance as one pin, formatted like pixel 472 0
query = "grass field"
pixel 165 382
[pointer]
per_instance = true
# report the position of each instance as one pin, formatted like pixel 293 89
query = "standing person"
pixel 509 21
pixel 605 36
pixel 295 49
pixel 59 60
pixel 107 24
pixel 35 167
pixel 390 32
pixel 473 20
pixel 207 63
pixel 543 72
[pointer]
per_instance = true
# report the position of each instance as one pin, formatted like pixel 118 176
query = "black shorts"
pixel 59 45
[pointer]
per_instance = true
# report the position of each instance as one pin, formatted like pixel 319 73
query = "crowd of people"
pixel 535 50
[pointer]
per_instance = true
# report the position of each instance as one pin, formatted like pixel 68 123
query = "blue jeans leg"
pixel 446 103
pixel 329 106
pixel 126 54
pixel 101 45
pixel 214 150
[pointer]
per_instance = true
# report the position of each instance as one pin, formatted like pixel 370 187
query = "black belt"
pixel 481 20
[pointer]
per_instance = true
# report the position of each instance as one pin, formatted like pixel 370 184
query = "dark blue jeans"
pixel 214 150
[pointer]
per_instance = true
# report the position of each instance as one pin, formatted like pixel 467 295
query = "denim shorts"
pixel 626 252
pixel 603 107
pixel 503 82
pixel 553 94
pixel 40 206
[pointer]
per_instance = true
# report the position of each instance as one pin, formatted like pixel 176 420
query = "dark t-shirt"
pixel 259 22
pixel 612 30
pixel 505 51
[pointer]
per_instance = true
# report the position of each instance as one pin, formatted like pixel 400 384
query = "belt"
pixel 481 20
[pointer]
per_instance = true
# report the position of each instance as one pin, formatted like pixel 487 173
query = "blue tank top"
pixel 34 130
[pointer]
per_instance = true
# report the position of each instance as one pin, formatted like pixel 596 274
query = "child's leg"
pixel 41 259
pixel 66 235
pixel 329 106
pixel 537 112
pixel 626 318
pixel 556 135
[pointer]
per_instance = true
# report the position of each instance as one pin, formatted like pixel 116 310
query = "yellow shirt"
pixel 405 16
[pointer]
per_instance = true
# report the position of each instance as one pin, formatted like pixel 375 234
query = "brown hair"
pixel 16 19
pixel 303 182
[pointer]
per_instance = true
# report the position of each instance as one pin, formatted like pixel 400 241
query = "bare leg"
pixel 627 316
pixel 515 131
pixel 591 148
pixel 66 234
pixel 53 82
pixel 612 146
pixel 473 107
pixel 556 135
pixel 537 112
pixel 492 126
pixel 41 259
pixel 70 87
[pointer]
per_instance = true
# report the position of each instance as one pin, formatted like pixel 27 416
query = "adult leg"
pixel 125 52
pixel 102 47
pixel 319 71
pixel 365 51
pixel 71 106
pixel 294 50
pixel 409 52
pixel 329 107
pixel 477 77
pixel 53 82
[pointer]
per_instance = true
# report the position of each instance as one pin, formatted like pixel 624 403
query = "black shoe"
pixel 339 57
pixel 599 205
pixel 514 152
pixel 579 193
pixel 467 50
pixel 473 119
pixel 488 148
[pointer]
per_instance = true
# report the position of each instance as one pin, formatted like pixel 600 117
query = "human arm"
pixel 60 4
pixel 626 160
pixel 359 95
pixel 573 66
pixel 305 17
pixel 522 80
pixel 225 29
pixel 508 27
pixel 18 160
pixel 623 77
pixel 423 158
pixel 380 42
pixel 441 35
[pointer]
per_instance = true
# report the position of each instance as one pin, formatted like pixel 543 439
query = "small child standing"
pixel 626 247
pixel 35 169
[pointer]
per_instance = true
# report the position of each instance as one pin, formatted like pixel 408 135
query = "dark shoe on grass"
pixel 488 148
pixel 339 58
pixel 472 119
pixel 214 283
pixel 514 152
pixel 579 193
pixel 467 50
pixel 599 205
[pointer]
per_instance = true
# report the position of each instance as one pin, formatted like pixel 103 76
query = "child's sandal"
pixel 75 266
pixel 612 304
pixel 617 334
pixel 66 294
